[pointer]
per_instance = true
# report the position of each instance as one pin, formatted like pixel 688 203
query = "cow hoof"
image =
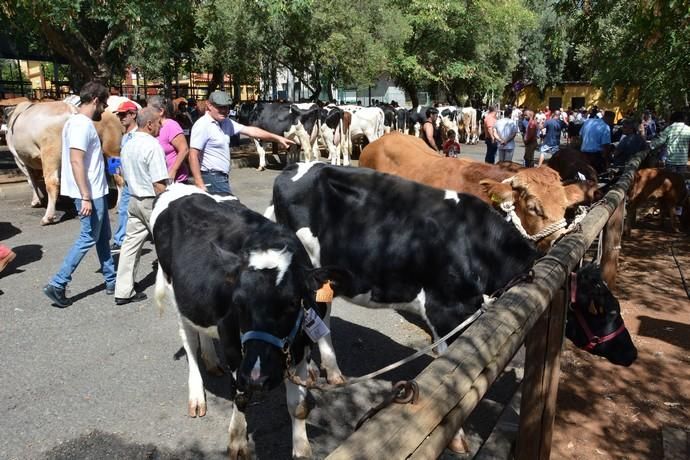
pixel 261 168
pixel 240 447
pixel 36 204
pixel 49 220
pixel 196 408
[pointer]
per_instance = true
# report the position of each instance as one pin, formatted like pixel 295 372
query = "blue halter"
pixel 283 344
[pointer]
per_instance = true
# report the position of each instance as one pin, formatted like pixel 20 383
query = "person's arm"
pixel 159 187
pixel 195 168
pixel 495 136
pixel 429 132
pixel 253 131
pixel 179 143
pixel 76 160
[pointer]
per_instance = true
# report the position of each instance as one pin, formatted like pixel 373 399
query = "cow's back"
pixel 409 157
pixel 35 125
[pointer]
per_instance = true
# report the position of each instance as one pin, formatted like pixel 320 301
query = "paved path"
pixel 100 381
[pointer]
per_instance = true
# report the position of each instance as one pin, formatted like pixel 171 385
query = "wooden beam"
pixel 540 385
pixel 612 246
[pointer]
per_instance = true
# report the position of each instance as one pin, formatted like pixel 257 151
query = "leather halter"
pixel 594 340
pixel 284 343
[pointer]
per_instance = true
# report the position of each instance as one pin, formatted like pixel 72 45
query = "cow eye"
pixel 533 208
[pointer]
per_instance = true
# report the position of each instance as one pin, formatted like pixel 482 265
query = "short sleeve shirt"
pixel 212 139
pixel 553 132
pixel 506 128
pixel 80 133
pixel 595 134
pixel 169 131
pixel 143 163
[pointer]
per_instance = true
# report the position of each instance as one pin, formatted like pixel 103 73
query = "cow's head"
pixel 109 131
pixel 539 198
pixel 594 320
pixel 271 293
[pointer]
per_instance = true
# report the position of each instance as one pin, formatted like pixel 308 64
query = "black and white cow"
pixel 401 119
pixel 406 245
pixel 331 129
pixel 235 276
pixel 390 118
pixel 285 119
pixel 416 117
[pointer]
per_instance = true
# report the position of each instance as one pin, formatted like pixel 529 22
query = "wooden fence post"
pixel 540 385
pixel 612 245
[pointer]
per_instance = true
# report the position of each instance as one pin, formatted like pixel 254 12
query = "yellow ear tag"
pixel 495 198
pixel 325 293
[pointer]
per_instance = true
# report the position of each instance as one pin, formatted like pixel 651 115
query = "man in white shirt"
pixel 83 178
pixel 146 173
pixel 505 131
pixel 209 153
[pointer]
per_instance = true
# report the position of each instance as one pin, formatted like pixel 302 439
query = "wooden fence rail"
pixel 452 385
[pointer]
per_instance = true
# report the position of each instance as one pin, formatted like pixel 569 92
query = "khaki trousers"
pixel 138 218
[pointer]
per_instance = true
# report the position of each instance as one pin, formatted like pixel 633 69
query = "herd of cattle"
pixel 408 229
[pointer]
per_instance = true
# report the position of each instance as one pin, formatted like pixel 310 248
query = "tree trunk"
pixel 216 80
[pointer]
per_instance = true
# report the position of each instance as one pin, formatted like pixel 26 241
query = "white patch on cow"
pixel 211 331
pixel 302 169
pixel 271 259
pixel 416 305
pixel 255 374
pixel 311 244
pixel 270 213
pixel 177 191
pixel 297 408
pixel 452 195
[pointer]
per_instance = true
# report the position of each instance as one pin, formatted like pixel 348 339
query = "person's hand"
pixel 202 186
pixel 285 142
pixel 86 208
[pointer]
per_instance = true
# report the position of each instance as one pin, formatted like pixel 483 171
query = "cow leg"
pixel 209 356
pixel 417 129
pixel 262 155
pixel 329 362
pixel 52 189
pixel 32 178
pixel 238 444
pixel 190 341
pixel 305 142
pixel 327 136
pixel 298 409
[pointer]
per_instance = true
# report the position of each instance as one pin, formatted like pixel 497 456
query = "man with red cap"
pixel 127 113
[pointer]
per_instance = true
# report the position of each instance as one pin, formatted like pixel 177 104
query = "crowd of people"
pixel 155 151
pixel 593 132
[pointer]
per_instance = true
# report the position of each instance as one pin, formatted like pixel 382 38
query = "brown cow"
pixel 665 186
pixel 34 136
pixel 539 198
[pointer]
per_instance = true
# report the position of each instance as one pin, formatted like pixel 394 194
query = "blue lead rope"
pixel 283 344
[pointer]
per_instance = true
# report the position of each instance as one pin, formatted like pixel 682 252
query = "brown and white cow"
pixel 668 188
pixel 538 197
pixel 34 136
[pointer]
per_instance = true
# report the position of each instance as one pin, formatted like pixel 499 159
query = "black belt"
pixel 215 173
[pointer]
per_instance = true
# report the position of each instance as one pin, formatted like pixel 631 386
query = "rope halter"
pixel 508 207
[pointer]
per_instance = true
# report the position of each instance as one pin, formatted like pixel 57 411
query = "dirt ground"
pixel 610 412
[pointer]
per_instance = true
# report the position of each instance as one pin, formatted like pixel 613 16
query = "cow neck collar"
pixel 593 340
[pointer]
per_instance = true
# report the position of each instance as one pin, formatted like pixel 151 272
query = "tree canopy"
pixel 454 49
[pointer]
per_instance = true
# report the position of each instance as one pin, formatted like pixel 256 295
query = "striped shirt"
pixel 677 140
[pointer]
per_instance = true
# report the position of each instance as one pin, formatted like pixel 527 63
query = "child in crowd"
pixel 451 148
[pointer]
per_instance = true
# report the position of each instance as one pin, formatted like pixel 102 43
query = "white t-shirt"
pixel 80 133
pixel 212 139
pixel 143 163
pixel 506 128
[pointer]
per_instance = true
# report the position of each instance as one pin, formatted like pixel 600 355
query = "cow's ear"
pixel 582 192
pixel 341 280
pixel 498 192
pixel 231 262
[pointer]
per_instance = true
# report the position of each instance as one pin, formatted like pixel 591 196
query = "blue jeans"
pixel 491 148
pixel 95 230
pixel 216 183
pixel 122 216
